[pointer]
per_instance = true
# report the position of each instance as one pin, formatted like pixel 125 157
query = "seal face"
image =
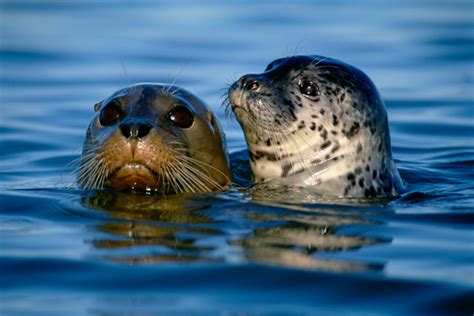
pixel 154 137
pixel 316 122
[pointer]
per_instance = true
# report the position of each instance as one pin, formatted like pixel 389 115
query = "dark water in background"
pixel 64 251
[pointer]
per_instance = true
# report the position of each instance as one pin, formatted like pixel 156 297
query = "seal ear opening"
pixel 97 106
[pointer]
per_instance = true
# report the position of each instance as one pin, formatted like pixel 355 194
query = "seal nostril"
pixel 136 130
pixel 125 129
pixel 143 130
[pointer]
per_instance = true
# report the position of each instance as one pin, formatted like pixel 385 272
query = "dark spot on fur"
pixel 370 192
pixel 350 176
pixel 335 120
pixel 268 142
pixel 353 130
pixel 346 190
pixel 324 134
pixel 358 170
pixel 322 111
pixel 361 182
pixel 326 144
pixel 313 126
pixel 302 125
pixel 373 192
pixel 270 156
pixel 359 148
pixel 374 174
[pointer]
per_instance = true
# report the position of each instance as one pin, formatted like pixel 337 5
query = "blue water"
pixel 68 252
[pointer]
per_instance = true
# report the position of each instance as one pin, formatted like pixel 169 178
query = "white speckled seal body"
pixel 316 122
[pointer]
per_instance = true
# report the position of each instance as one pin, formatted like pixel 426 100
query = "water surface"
pixel 66 251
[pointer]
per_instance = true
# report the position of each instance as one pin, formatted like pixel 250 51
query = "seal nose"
pixel 135 130
pixel 249 83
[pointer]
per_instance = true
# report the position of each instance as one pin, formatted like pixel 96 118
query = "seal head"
pixel 153 137
pixel 316 122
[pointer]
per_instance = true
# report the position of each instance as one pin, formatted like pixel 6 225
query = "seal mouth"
pixel 257 110
pixel 133 176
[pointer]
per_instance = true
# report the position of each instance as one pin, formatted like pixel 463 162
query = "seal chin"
pixel 133 176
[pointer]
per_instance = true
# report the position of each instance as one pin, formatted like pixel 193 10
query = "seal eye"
pixel 308 88
pixel 181 116
pixel 110 114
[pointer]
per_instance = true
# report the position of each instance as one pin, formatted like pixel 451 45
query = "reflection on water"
pixel 258 250
pixel 171 224
pixel 152 229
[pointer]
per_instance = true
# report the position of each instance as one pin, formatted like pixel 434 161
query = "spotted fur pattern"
pixel 336 141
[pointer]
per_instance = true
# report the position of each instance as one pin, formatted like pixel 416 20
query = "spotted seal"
pixel 316 122
pixel 154 137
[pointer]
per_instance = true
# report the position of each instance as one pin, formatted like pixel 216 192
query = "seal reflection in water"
pixel 154 137
pixel 319 123
pixel 176 228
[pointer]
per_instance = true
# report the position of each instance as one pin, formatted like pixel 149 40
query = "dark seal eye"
pixel 181 116
pixel 110 114
pixel 308 88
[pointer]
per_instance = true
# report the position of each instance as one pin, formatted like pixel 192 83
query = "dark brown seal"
pixel 154 137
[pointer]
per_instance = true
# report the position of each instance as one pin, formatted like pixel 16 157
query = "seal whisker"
pixel 190 180
pixel 197 170
pixel 88 178
pixel 196 173
pixel 199 175
pixel 189 160
pixel 175 178
pixel 168 178
pixel 319 60
pixel 181 179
